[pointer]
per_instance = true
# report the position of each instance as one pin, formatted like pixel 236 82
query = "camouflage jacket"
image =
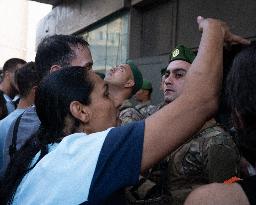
pixel 129 114
pixel 210 156
pixel 146 109
pixel 149 190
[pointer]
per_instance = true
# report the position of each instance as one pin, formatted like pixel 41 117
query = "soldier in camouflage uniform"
pixel 129 114
pixel 123 82
pixel 209 156
pixel 150 188
pixel 143 109
pixel 143 96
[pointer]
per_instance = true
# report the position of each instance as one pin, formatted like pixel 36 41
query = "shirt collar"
pixel 7 98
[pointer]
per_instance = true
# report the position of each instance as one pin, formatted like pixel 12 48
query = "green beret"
pixel 182 53
pixel 138 80
pixel 146 85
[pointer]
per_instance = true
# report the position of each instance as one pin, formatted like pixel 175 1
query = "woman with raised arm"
pixel 78 157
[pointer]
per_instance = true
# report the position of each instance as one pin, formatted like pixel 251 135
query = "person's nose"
pixel 169 80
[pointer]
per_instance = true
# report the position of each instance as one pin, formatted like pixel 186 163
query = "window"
pixel 109 43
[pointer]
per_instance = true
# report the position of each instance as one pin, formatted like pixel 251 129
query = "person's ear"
pixel 80 111
pixel 33 91
pixel 7 75
pixel 55 68
pixel 130 83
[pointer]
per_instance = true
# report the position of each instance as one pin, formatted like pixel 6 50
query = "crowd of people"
pixel 69 135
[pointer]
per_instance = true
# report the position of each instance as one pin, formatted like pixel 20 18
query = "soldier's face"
pixel 142 95
pixel 119 75
pixel 119 78
pixel 174 79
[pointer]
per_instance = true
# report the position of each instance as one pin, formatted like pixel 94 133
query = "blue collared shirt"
pixel 9 104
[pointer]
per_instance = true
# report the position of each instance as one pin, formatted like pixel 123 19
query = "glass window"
pixel 109 43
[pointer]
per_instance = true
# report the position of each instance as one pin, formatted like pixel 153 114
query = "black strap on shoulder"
pixel 12 148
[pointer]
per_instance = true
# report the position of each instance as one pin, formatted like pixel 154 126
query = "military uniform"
pixel 129 114
pixel 210 156
pixel 150 190
pixel 146 109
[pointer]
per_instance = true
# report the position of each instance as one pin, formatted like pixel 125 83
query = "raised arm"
pixel 177 121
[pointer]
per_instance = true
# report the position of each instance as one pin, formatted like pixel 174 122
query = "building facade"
pixel 142 30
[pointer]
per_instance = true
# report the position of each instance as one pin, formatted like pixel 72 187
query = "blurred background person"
pixel 26 80
pixel 7 85
pixel 143 97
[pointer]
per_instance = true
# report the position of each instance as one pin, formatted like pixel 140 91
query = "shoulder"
pixel 75 144
pixel 29 122
pixel 148 109
pixel 10 118
pixel 216 135
pixel 30 113
pixel 127 110
pixel 216 193
pixel 123 148
pixel 217 144
pixel 106 139
pixel 130 114
pixel 74 159
pixel 29 117
pixel 127 138
pixel 212 130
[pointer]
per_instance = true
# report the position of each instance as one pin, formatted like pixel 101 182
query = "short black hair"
pixel 56 49
pixel 10 65
pixel 26 78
